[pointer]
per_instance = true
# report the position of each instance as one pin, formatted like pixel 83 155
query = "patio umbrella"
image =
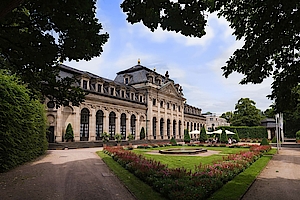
pixel 220 131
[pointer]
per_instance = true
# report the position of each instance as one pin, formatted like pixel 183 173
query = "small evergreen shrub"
pixel 264 142
pixel 236 136
pixel 274 140
pixel 187 137
pixel 298 135
pixel 69 136
pixel 142 134
pixel 223 138
pixel 173 141
pixel 203 135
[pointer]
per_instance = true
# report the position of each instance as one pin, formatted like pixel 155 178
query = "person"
pixel 229 141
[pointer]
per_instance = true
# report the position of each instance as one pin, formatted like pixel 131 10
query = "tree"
pixel 36 36
pixel 246 114
pixel 269 28
pixel 69 133
pixel 271 34
pixel 269 113
pixel 228 116
pixel 203 135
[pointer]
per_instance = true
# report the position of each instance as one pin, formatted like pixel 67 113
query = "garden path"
pixel 280 179
pixel 63 174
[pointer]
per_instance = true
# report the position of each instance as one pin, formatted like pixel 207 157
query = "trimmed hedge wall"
pixel 248 132
pixel 22 124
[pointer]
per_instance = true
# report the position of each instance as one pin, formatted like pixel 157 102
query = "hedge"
pixel 22 124
pixel 248 132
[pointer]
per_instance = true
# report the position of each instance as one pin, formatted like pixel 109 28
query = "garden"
pixel 183 177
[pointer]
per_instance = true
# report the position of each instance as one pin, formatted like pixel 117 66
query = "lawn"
pixel 189 162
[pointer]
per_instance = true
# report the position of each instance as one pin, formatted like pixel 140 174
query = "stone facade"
pixel 213 121
pixel 138 98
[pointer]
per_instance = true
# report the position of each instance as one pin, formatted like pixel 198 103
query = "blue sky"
pixel 194 63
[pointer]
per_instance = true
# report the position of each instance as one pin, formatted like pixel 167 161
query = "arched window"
pixel 174 128
pixel 162 128
pixel 123 126
pixel 154 128
pixel 84 124
pixel 132 125
pixel 195 126
pixel 187 126
pixel 99 124
pixel 179 129
pixel 168 129
pixel 112 125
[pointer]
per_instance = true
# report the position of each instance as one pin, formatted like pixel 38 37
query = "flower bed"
pixel 180 183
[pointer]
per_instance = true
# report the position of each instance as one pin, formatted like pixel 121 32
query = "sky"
pixel 194 63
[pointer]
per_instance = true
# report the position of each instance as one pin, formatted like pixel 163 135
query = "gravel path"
pixel 77 174
pixel 280 179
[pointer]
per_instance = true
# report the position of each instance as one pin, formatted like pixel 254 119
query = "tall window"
pixel 123 126
pixel 112 125
pixel 99 124
pixel 123 93
pixel 179 129
pixel 99 88
pixel 154 127
pixel 161 104
pixel 84 124
pixel 84 84
pixel 195 126
pixel 174 128
pixel 187 126
pixel 154 102
pixel 168 129
pixel 132 125
pixel 162 128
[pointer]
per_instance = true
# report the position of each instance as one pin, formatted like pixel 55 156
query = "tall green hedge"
pixel 248 132
pixel 22 124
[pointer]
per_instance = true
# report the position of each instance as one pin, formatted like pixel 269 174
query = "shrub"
pixel 142 134
pixel 298 135
pixel 23 124
pixel 223 138
pixel 69 133
pixel 105 137
pixel 187 137
pixel 274 140
pixel 173 141
pixel 264 142
pixel 236 136
pixel 203 135
pixel 118 137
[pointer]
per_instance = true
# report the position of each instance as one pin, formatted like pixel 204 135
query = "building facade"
pixel 137 98
pixel 213 121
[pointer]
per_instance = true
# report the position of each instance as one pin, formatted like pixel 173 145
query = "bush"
pixel 248 132
pixel 264 142
pixel 69 133
pixel 142 134
pixel 274 140
pixel 236 136
pixel 298 135
pixel 173 141
pixel 223 138
pixel 23 124
pixel 203 135
pixel 187 137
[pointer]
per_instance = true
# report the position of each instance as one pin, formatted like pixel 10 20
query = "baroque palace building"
pixel 138 98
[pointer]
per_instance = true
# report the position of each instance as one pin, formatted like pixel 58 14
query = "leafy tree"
pixel 269 28
pixel 186 137
pixel 228 116
pixel 269 113
pixel 203 135
pixel 36 36
pixel 224 138
pixel 69 133
pixel 246 114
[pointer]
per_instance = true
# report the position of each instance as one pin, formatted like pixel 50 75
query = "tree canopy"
pixel 270 30
pixel 246 113
pixel 227 115
pixel 36 36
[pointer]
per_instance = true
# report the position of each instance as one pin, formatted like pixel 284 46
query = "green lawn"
pixel 240 183
pixel 189 162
